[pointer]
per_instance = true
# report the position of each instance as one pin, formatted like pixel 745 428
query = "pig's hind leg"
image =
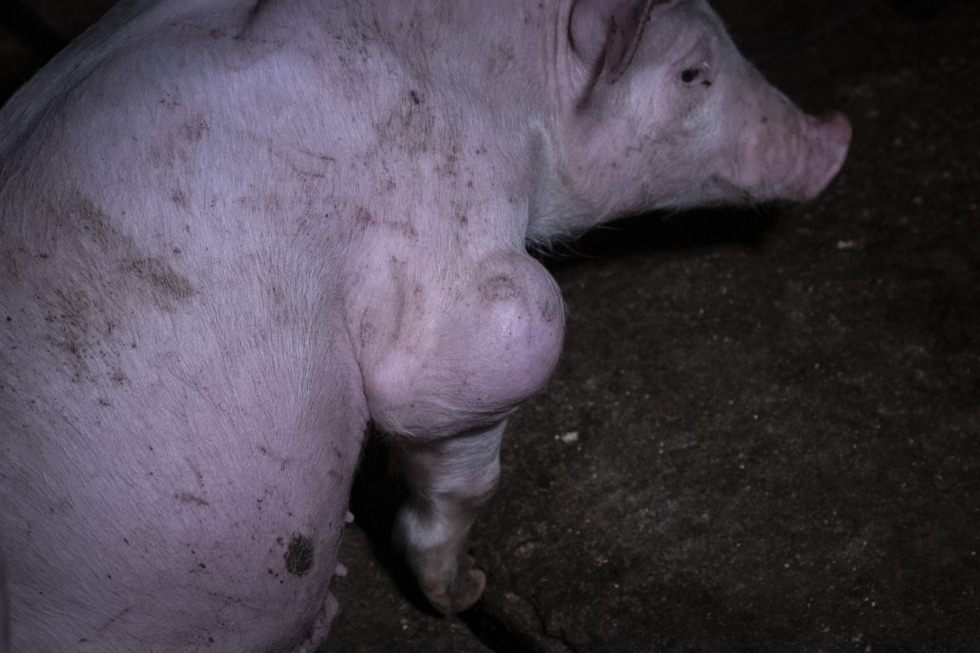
pixel 449 480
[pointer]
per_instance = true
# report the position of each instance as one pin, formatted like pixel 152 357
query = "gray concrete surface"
pixel 764 434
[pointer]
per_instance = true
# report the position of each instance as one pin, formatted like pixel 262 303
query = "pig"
pixel 237 234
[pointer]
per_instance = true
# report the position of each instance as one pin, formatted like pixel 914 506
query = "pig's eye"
pixel 698 73
pixel 690 74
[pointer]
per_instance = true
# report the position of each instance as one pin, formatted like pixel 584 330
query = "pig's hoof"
pixel 465 589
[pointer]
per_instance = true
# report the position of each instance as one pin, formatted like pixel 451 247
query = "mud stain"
pixel 254 13
pixel 405 228
pixel 167 286
pixel 499 288
pixel 187 497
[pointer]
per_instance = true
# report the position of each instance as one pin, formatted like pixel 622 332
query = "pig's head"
pixel 661 111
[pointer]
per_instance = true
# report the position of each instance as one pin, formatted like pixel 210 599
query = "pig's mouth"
pixel 719 191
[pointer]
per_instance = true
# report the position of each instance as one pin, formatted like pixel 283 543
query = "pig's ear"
pixel 604 34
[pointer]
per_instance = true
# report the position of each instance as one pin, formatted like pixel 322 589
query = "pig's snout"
pixel 793 157
pixel 828 138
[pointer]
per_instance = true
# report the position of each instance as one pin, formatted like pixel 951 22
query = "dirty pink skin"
pixel 235 233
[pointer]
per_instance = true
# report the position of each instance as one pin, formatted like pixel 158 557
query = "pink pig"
pixel 234 233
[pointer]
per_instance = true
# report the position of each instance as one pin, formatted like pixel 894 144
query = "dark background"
pixel 763 434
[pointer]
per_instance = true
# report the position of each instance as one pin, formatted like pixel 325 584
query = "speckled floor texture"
pixel 764 434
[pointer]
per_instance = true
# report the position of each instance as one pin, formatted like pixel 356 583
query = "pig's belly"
pixel 175 482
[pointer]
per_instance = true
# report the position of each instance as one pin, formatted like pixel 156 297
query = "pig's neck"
pixel 558 208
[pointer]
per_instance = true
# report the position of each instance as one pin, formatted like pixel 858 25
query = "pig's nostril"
pixel 837 124
pixel 833 117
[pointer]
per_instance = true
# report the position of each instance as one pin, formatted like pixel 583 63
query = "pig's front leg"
pixel 465 348
pixel 449 480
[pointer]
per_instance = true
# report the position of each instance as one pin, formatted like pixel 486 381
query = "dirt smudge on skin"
pixel 166 285
pixel 364 219
pixel 187 497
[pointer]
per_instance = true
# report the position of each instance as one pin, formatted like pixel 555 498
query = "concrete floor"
pixel 764 434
